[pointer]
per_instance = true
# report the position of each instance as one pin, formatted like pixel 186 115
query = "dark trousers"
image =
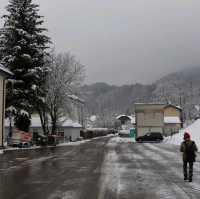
pixel 185 172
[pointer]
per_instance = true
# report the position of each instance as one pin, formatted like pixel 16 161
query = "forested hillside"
pixel 181 88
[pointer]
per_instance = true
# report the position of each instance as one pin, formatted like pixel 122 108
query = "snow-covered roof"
pixel 70 123
pixel 93 118
pixel 177 107
pixel 130 117
pixel 35 122
pixel 5 70
pixel 76 98
pixel 172 120
pixel 120 116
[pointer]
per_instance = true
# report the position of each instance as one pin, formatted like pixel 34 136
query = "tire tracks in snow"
pixel 162 187
pixel 189 190
pixel 110 176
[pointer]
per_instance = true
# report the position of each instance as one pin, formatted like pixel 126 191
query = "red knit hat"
pixel 186 135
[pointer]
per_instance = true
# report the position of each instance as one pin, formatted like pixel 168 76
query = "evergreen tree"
pixel 23 49
pixel 22 122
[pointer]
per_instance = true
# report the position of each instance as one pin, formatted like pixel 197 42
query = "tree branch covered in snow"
pixel 64 79
pixel 23 47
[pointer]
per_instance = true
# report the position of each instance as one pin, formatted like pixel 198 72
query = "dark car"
pixel 150 137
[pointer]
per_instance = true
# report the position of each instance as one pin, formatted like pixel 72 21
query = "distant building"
pixel 68 130
pixel 152 117
pixel 126 121
pixel 172 119
pixel 4 74
pixel 149 118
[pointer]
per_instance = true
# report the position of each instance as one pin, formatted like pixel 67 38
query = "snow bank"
pixel 73 143
pixel 118 139
pixel 193 129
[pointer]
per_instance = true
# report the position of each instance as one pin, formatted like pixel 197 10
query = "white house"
pixel 4 74
pixel 68 130
pixel 126 121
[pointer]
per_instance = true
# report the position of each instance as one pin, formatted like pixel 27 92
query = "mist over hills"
pixel 181 88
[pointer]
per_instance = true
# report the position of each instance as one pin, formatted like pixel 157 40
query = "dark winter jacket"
pixel 189 150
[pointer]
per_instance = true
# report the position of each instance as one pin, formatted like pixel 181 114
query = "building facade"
pixel 149 118
pixel 4 74
pixel 172 119
pixel 67 130
pixel 166 119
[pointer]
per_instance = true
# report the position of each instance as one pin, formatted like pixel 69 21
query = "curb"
pixel 46 147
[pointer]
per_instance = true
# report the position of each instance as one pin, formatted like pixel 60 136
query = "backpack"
pixel 189 151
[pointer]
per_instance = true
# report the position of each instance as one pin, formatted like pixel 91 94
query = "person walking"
pixel 189 149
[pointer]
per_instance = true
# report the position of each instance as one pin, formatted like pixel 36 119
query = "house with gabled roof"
pixel 172 119
pixel 149 118
pixel 67 129
pixel 158 117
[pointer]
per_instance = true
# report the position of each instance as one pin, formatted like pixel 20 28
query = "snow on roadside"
pixel 58 145
pixel 119 139
pixel 193 129
pixel 16 148
pixel 72 143
pixel 83 141
pixel 122 140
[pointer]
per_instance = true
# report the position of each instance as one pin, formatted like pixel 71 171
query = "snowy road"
pixel 104 168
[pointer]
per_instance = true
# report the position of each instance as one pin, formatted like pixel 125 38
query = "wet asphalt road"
pixel 104 168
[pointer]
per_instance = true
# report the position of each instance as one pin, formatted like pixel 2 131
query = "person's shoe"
pixel 185 178
pixel 190 180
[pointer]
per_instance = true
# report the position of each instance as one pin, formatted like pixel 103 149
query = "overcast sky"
pixel 125 41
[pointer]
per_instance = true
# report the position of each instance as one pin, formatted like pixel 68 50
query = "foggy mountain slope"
pixel 181 88
pixel 185 84
pixel 114 99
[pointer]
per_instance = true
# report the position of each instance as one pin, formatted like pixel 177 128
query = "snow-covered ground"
pixel 193 130
pixel 123 139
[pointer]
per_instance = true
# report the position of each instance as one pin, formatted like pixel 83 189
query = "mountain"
pixel 101 97
pixel 181 88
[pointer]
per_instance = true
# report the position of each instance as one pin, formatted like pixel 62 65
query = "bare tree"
pixel 65 77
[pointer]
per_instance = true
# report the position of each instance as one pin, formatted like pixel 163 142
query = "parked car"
pixel 150 137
